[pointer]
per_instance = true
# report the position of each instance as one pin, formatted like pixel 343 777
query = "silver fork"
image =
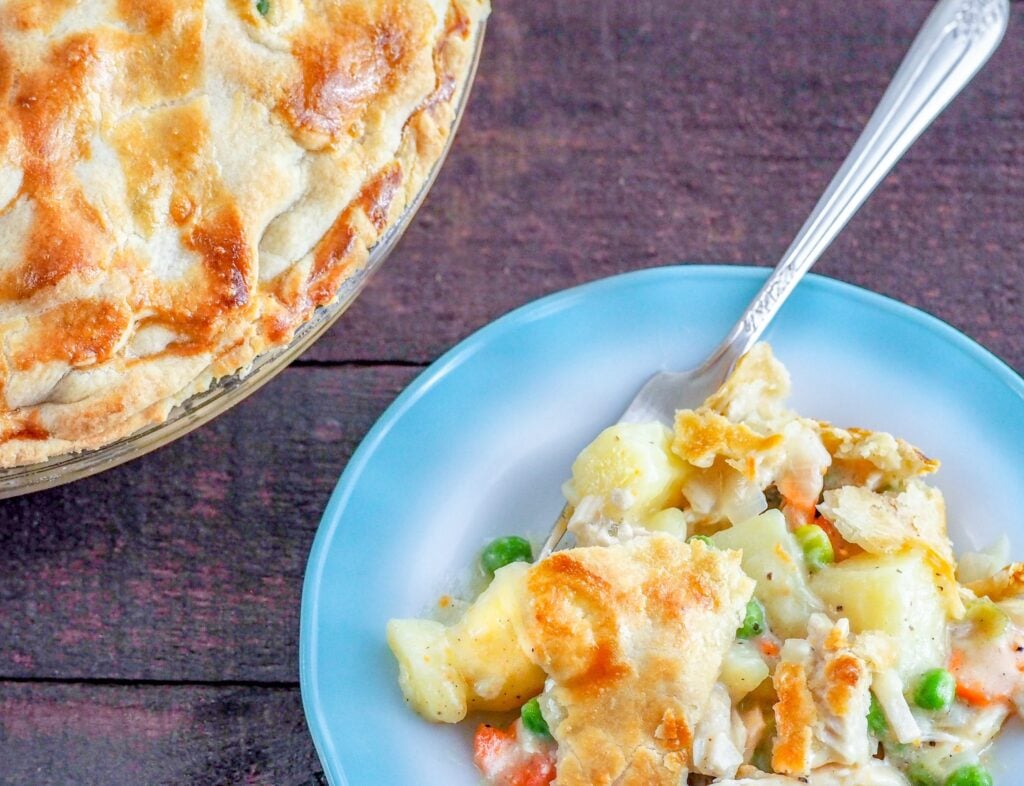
pixel 956 40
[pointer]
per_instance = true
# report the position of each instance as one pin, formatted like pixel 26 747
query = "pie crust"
pixel 184 182
pixel 632 637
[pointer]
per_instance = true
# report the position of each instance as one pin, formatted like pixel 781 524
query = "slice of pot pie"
pixel 183 182
pixel 632 638
pixel 867 653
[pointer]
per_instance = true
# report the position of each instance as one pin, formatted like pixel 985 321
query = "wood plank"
pixel 186 564
pixel 604 137
pixel 128 734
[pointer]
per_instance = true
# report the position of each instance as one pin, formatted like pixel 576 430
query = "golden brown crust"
pixel 1004 584
pixel 795 717
pixel 182 183
pixel 758 385
pixel 871 457
pixel 633 637
pixel 702 436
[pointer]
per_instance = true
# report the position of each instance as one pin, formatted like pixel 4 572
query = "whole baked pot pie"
pixel 184 182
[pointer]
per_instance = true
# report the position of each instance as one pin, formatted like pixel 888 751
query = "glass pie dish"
pixel 229 390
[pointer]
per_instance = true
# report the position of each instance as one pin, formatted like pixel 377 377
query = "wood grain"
pixel 145 734
pixel 187 564
pixel 149 616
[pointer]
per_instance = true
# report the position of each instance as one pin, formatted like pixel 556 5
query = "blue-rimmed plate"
pixel 479 444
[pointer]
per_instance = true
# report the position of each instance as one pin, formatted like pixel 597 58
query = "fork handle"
pixel 956 40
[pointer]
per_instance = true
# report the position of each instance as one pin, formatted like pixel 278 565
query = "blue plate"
pixel 479 444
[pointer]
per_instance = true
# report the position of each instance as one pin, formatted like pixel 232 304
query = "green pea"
pixel 504 551
pixel 971 775
pixel 702 538
pixel 263 6
pixel 919 775
pixel 877 724
pixel 533 720
pixel 816 546
pixel 753 622
pixel 935 690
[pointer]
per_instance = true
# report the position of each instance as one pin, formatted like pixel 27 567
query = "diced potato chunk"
pixel 485 646
pixel 476 664
pixel 772 558
pixel 429 680
pixel 671 521
pixel 743 669
pixel 895 594
pixel 632 466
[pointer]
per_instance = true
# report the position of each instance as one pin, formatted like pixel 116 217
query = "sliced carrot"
pixel 797 514
pixel 843 548
pixel 792 492
pixel 971 691
pixel 490 744
pixel 496 756
pixel 973 694
pixel 768 647
pixel 538 770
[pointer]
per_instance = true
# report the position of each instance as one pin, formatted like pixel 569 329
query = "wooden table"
pixel 149 616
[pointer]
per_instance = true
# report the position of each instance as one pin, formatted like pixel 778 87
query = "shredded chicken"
pixel 823 688
pixel 840 685
pixel 719 738
pixel 591 527
pixel 871 773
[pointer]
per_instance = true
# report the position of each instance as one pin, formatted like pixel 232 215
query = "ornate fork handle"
pixel 955 41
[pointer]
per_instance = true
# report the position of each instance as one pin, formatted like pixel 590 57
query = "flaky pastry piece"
pixel 743 440
pixel 1003 584
pixel 632 638
pixel 183 182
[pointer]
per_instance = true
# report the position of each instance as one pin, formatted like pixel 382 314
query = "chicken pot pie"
pixel 183 182
pixel 754 598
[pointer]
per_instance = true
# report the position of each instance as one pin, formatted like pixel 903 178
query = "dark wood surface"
pixel 149 616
